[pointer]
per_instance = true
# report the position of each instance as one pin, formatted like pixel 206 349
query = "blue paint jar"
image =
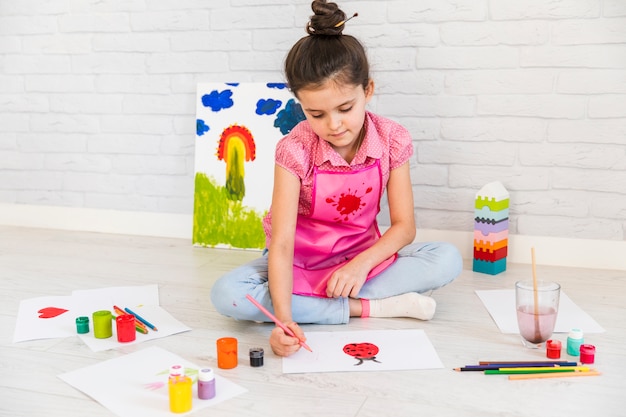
pixel 574 340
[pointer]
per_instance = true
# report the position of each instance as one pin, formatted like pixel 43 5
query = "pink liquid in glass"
pixel 545 319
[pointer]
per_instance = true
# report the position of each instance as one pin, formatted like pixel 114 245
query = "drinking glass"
pixel 536 310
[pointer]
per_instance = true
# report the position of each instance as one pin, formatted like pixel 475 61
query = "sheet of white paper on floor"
pixel 135 385
pixel 55 316
pixel 394 350
pixel 501 306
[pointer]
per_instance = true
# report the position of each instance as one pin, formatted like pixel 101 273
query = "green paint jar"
pixel 102 324
pixel 82 325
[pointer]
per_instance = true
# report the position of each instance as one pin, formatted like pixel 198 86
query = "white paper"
pixel 397 350
pixel 501 306
pixel 135 385
pixel 30 325
pixel 156 315
pixel 143 300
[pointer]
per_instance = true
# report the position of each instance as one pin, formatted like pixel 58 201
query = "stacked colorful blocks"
pixel 491 229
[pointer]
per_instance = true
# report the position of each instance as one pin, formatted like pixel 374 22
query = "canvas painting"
pixel 237 128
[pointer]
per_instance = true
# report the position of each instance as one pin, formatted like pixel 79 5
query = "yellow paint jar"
pixel 181 393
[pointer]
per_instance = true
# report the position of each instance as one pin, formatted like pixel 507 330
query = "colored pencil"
pixel 554 375
pixel 275 320
pixel 139 325
pixel 532 363
pixel 552 369
pixel 471 368
pixel 141 319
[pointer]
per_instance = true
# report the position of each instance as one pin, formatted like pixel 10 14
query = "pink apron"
pixel 342 224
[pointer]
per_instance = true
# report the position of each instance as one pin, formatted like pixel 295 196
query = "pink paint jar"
pixel 553 349
pixel 587 354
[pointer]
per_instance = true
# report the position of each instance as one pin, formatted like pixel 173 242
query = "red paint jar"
pixel 125 325
pixel 587 354
pixel 553 349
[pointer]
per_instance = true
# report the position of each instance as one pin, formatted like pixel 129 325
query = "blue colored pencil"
pixel 492 366
pixel 141 319
pixel 522 362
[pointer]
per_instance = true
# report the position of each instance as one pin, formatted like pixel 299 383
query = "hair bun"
pixel 328 19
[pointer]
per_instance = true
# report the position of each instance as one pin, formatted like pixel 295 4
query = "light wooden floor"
pixel 50 262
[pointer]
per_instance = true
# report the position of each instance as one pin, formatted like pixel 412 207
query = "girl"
pixel 326 259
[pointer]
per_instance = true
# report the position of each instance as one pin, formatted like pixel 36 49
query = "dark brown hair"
pixel 326 53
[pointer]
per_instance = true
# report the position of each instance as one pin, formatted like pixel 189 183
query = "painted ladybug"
pixel 362 352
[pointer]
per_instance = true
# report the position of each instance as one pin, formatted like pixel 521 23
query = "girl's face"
pixel 336 114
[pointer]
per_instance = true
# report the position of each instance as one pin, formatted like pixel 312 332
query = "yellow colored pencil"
pixel 537 370
pixel 547 368
pixel 554 375
pixel 138 325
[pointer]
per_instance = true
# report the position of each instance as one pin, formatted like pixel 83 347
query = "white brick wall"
pixel 97 100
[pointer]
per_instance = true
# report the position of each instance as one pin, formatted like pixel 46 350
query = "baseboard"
pixel 580 253
pixel 98 220
pixel 555 251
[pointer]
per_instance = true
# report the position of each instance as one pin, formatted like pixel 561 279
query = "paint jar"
pixel 206 384
pixel 177 370
pixel 125 326
pixel 82 324
pixel 574 340
pixel 587 354
pixel 227 352
pixel 102 324
pixel 256 357
pixel 553 349
pixel 180 389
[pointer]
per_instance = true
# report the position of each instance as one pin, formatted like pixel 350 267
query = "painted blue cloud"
pixel 201 127
pixel 279 86
pixel 289 117
pixel 268 106
pixel 218 100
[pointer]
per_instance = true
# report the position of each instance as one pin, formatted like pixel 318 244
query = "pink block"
pixel 491 237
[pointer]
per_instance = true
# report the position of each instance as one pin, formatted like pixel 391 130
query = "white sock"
pixel 411 304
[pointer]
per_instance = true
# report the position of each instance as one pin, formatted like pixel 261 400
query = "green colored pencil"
pixel 537 370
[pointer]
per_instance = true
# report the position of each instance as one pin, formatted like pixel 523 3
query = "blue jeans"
pixel 420 267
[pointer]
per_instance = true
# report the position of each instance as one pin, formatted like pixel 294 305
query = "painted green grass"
pixel 218 220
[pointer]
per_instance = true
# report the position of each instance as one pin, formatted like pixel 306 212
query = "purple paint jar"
pixel 206 384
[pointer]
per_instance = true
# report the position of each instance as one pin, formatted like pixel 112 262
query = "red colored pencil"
pixel 138 325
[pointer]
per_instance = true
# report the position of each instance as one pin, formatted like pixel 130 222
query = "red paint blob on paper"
pixel 51 312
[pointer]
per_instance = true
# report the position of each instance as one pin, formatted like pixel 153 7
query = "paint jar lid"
pixel 177 370
pixel 256 352
pixel 587 349
pixel 553 344
pixel 575 334
pixel 206 374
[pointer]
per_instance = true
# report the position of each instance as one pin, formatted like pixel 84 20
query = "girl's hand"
pixel 346 281
pixel 284 345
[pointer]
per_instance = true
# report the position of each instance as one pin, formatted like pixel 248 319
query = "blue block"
pixel 491 268
pixel 486 214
